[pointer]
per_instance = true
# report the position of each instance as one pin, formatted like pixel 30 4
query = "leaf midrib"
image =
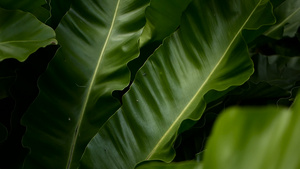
pixel 201 87
pixel 74 140
pixel 282 23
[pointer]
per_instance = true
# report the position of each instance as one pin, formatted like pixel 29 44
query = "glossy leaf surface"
pixel 98 39
pixel 22 34
pixel 207 52
pixel 255 138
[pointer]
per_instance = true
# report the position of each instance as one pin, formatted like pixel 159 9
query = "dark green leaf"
pixel 33 6
pixel 22 34
pixel 163 17
pixel 58 9
pixel 287 15
pixel 181 165
pixel 3 133
pixel 207 52
pixel 98 38
pixel 277 70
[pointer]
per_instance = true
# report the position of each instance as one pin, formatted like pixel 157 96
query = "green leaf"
pixel 163 17
pixel 287 14
pixel 255 138
pixel 58 9
pixel 22 34
pixel 33 6
pixel 260 93
pixel 287 101
pixel 180 165
pixel 276 3
pixel 3 133
pixel 192 141
pixel 251 35
pixel 277 70
pixel 207 52
pixel 98 39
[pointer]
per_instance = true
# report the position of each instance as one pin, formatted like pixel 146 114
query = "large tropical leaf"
pixel 207 52
pixel 163 17
pixel 98 38
pixel 287 15
pixel 22 34
pixel 255 138
pixel 251 35
pixel 266 137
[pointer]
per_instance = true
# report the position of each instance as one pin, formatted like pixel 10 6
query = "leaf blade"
pixel 22 34
pixel 75 91
pixel 171 85
pixel 287 15
pixel 265 138
pixel 163 18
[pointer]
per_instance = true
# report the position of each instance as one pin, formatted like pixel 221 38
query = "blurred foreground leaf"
pixel 255 138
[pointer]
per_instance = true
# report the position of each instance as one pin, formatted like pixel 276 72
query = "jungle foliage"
pixel 143 84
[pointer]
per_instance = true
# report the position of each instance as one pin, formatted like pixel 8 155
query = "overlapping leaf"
pixel 287 15
pixel 163 17
pixel 277 70
pixel 207 52
pixel 35 7
pixel 254 138
pixel 98 39
pixel 266 137
pixel 251 35
pixel 22 34
pixel 58 9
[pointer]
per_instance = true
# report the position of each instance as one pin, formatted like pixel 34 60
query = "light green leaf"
pixel 207 52
pixel 22 34
pixel 179 165
pixel 98 39
pixel 163 17
pixel 287 15
pixel 255 138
